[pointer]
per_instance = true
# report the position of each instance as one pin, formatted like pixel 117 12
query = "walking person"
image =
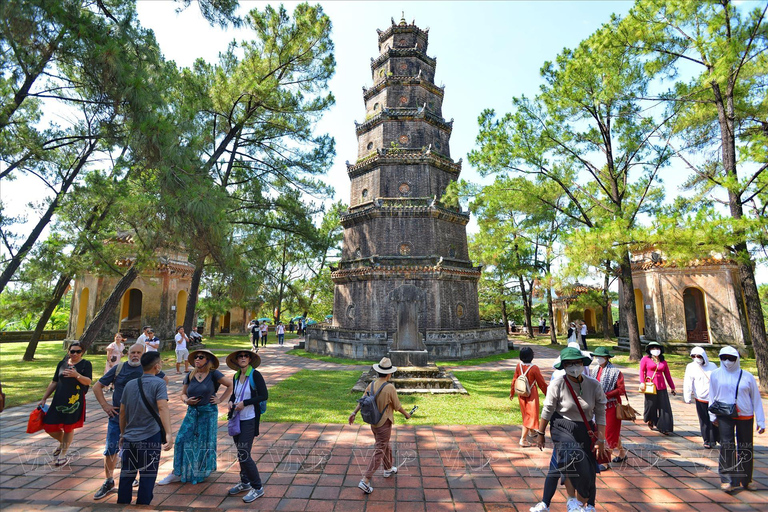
pixel 528 393
pixel 145 425
pixel 244 402
pixel 569 404
pixel 280 331
pixel 387 402
pixel 654 371
pixel 612 381
pixel 67 411
pixel 573 335
pixel 195 455
pixel 696 389
pixel 731 386
pixel 117 377
pixel 255 334
pixel 181 349
pixel 583 330
pixel 264 332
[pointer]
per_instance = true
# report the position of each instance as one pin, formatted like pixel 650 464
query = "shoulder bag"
pixel 233 423
pixel 723 409
pixel 152 412
pixel 591 429
pixel 626 411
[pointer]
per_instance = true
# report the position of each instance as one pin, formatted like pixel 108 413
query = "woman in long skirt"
pixel 194 456
pixel 529 405
pixel 654 369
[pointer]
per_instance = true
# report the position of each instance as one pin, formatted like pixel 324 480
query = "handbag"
pixel 649 387
pixel 723 409
pixel 233 423
pixel 626 411
pixel 35 422
pixel 152 411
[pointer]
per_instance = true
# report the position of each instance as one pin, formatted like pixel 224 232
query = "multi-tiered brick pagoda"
pixel 405 280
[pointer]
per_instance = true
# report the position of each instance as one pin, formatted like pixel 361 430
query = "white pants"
pixel 182 355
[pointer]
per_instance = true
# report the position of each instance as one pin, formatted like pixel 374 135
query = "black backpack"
pixel 368 408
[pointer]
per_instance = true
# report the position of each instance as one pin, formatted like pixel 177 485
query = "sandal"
pixel 57 451
pixel 525 444
pixel 62 461
pixel 619 460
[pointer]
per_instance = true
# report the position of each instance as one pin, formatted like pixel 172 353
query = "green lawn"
pixel 324 397
pixel 328 359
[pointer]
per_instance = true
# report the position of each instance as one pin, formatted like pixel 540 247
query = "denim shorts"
pixel 113 436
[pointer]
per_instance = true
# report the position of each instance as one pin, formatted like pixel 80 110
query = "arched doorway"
pixel 589 319
pixel 130 313
pixel 82 312
pixel 224 322
pixel 640 309
pixel 181 307
pixel 695 316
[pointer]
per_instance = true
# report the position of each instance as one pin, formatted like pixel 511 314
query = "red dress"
pixel 612 423
pixel 529 405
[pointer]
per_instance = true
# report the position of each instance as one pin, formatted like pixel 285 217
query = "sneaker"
pixel 589 508
pixel 727 487
pixel 574 505
pixel 240 487
pixel 253 494
pixel 135 482
pixel 391 471
pixel 539 507
pixel 107 487
pixel 171 478
pixel 366 488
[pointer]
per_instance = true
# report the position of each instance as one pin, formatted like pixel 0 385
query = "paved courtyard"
pixel 317 466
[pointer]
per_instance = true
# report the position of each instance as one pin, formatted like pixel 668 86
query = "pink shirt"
pixel 648 367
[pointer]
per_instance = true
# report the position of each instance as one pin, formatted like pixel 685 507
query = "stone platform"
pixel 412 380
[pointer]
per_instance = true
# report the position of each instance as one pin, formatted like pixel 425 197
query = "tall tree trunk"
pixel 58 292
pixel 213 325
pixel 628 309
pixel 551 313
pixel 607 327
pixel 281 288
pixel 16 259
pixel 526 306
pixel 756 321
pixel 122 286
pixel 504 317
pixel 194 290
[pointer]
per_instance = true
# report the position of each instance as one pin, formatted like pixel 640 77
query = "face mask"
pixel 729 364
pixel 656 352
pixel 601 361
pixel 700 361
pixel 134 364
pixel 575 370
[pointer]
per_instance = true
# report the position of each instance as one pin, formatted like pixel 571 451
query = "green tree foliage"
pixel 587 134
pixel 719 113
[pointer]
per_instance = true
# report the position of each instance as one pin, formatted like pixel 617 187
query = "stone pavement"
pixel 318 466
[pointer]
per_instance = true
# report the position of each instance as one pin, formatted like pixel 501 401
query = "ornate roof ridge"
pixel 698 262
pixel 391 269
pixel 416 113
pixel 401 29
pixel 423 155
pixel 380 207
pixel 403 52
pixel 402 80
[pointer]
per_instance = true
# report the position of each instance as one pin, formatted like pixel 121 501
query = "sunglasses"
pixel 75 351
pixel 200 357
pixel 727 358
pixel 696 357
pixel 243 355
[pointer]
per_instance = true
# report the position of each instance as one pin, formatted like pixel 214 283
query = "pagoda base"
pixel 416 380
pixel 409 357
pixel 442 345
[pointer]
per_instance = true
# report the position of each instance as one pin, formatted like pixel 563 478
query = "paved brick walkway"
pixel 318 466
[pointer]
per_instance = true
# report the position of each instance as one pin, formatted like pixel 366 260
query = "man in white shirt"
pixel 153 342
pixel 182 354
pixel 584 335
pixel 280 330
pixel 264 331
pixel 143 338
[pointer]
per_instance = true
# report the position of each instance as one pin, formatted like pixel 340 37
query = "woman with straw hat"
pixel 568 407
pixel 612 381
pixel 244 406
pixel 194 457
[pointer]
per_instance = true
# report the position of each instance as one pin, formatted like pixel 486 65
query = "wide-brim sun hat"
pixel 602 352
pixel 652 344
pixel 214 361
pixel 385 366
pixel 572 354
pixel 231 360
